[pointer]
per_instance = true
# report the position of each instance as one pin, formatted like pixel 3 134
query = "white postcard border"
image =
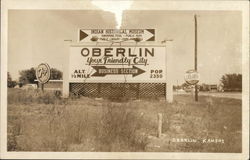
pixel 156 5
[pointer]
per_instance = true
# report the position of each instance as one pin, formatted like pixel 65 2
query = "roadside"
pixel 41 122
pixel 234 95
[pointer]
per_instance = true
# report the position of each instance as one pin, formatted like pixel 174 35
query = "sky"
pixel 36 36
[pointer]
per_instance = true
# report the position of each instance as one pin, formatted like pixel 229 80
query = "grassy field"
pixel 43 122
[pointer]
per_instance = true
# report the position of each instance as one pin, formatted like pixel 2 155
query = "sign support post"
pixel 43 74
pixel 169 86
pixel 66 70
pixel 42 87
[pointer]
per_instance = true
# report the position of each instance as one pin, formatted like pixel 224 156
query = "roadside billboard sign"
pixel 126 63
pixel 116 35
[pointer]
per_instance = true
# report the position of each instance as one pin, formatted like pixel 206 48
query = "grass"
pixel 44 122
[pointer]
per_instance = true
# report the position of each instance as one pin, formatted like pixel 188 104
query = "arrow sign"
pixel 116 35
pixel 83 35
pixel 102 71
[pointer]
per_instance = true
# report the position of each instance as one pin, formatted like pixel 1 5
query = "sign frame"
pixel 168 61
pixel 127 44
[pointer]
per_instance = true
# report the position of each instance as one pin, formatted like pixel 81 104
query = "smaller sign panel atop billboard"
pixel 116 35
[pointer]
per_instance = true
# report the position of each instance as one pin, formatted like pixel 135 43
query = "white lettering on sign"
pixel 117 64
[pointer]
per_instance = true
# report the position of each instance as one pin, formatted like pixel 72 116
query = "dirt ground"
pixel 43 122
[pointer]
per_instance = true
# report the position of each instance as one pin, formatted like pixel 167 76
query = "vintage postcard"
pixel 124 79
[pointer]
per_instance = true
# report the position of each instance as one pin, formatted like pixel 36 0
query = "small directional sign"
pixel 102 71
pixel 192 77
pixel 43 73
pixel 116 35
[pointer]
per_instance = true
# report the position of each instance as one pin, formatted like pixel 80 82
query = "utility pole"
pixel 195 55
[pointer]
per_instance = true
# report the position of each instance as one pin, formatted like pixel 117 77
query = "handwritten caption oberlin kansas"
pixel 194 140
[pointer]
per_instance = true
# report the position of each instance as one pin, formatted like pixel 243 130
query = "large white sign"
pixel 116 35
pixel 117 64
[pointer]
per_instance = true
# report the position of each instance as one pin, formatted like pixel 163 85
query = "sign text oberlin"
pixel 135 64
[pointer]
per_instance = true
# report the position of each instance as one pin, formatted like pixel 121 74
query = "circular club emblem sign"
pixel 43 73
pixel 192 77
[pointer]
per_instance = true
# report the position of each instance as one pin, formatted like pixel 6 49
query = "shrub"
pixel 18 96
pixel 107 127
pixel 119 130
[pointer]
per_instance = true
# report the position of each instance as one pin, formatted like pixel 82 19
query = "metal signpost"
pixel 116 35
pixel 43 74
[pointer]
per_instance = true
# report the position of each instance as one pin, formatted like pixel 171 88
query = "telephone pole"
pixel 195 55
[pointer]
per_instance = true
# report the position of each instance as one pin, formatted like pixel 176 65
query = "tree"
pixel 29 75
pixel 232 82
pixel 175 87
pixel 9 79
pixel 184 85
pixel 56 74
pixel 10 83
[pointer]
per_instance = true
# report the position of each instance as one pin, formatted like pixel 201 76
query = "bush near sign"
pixel 192 77
pixel 43 73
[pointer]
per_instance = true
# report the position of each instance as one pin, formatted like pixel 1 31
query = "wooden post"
pixel 159 125
pixel 42 87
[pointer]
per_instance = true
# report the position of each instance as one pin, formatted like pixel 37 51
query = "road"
pixel 235 95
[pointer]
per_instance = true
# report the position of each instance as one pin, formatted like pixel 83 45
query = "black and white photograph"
pixel 124 79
